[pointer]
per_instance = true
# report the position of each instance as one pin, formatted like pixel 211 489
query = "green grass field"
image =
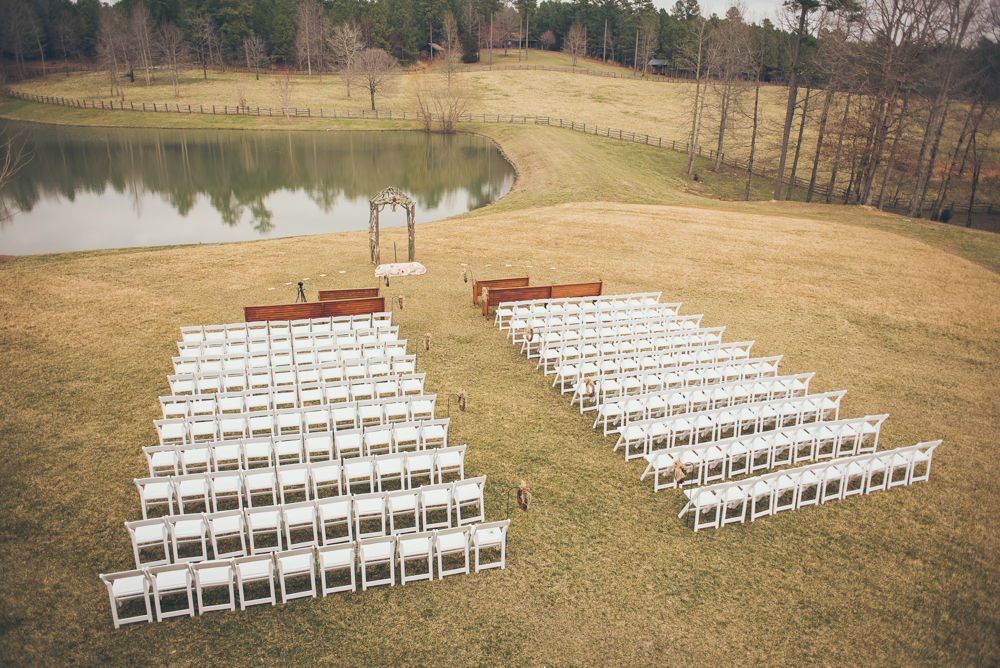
pixel 600 571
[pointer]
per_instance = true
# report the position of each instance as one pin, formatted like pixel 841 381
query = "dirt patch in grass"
pixel 600 571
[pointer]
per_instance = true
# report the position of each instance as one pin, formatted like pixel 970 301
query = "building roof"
pixel 656 62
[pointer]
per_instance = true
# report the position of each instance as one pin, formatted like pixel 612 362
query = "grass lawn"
pixel 600 571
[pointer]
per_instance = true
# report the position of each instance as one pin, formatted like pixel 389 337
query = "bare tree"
pixel 469 18
pixel 695 56
pixel 730 54
pixel 240 89
pixel 312 27
pixel 206 41
pixel 255 52
pixel 547 39
pixel 508 22
pixel 575 42
pixel 14 155
pixel 141 34
pixel 441 102
pixel 173 52
pixel 16 24
pixel 450 25
pixel 346 43
pixel 379 73
pixel 283 85
pixel 66 35
pixel 110 47
pixel 959 20
pixel 649 39
pixel 33 22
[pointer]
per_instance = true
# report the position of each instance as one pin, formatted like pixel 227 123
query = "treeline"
pixel 626 33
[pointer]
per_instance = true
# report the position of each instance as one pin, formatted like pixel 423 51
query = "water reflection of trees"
pixel 237 171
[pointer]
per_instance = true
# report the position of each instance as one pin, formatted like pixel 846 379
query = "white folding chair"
pixel 149 535
pixel 288 450
pixel 155 493
pixel 227 527
pixel 293 480
pixel 405 437
pixel 450 542
pixel 188 531
pixel 490 535
pixel 262 523
pixel 326 478
pixel 467 495
pixel 359 471
pixel 250 570
pixel 302 519
pixel 378 440
pixel 417 465
pixel 192 490
pixel 413 547
pixel 369 511
pixel 261 486
pixel 434 434
pixel 214 575
pixel 296 564
pixel 449 460
pixel 226 486
pixel 124 587
pixel 336 558
pixel 319 447
pixel 163 460
pixel 349 443
pixel 170 581
pixel 335 513
pixel 401 504
pixel 435 499
pixel 389 468
pixel 377 552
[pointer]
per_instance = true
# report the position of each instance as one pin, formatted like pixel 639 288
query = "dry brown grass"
pixel 600 572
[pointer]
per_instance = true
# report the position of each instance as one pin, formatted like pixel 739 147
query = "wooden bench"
pixel 561 291
pixel 314 309
pixel 349 293
pixel 477 286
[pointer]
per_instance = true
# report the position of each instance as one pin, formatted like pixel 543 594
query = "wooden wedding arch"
pixel 392 197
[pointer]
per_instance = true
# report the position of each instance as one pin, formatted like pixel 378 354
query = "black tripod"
pixel 301 296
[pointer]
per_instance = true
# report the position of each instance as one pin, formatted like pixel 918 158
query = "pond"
pixel 88 188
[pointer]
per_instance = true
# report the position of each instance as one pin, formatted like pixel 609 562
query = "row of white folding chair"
pixel 550 329
pixel 249 453
pixel 572 376
pixel 569 344
pixel 569 354
pixel 319 354
pixel 296 395
pixel 540 342
pixel 648 377
pixel 622 409
pixel 638 342
pixel 705 463
pixel 243 330
pixel 177 495
pixel 244 378
pixel 639 438
pixel 291 421
pixel 506 310
pixel 791 489
pixel 266 342
pixel 233 575
pixel 318 521
pixel 543 322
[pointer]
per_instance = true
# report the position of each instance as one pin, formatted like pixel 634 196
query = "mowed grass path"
pixel 600 570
